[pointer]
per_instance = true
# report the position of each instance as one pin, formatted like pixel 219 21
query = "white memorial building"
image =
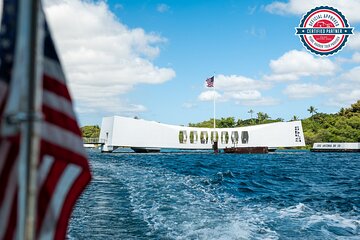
pixel 143 136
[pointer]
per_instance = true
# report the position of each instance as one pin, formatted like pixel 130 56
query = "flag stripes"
pixel 53 70
pixel 52 85
pixel 64 140
pixel 63 170
pixel 62 151
pixel 61 120
pixel 57 103
pixel 8 195
pixel 44 169
pixel 63 186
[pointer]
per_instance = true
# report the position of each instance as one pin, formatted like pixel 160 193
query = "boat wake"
pixel 151 200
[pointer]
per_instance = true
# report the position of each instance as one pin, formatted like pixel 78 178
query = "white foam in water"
pixel 229 230
pixel 335 220
pixel 176 206
pixel 294 211
pixel 180 207
pixel 347 227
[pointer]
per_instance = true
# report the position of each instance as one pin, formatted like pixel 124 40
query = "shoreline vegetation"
pixel 343 126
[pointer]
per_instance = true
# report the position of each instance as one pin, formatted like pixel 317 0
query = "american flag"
pixel 63 169
pixel 210 82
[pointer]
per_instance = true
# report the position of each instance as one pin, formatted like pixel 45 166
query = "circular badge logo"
pixel 324 30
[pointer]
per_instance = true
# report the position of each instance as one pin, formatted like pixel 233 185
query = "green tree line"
pixel 90 131
pixel 343 126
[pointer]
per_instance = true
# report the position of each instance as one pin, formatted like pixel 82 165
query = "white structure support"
pixel 137 133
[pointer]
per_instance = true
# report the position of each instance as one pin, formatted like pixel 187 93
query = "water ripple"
pixel 282 195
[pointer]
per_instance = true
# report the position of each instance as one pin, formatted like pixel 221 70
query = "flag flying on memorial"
pixel 210 82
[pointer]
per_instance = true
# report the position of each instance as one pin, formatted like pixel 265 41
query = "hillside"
pixel 343 126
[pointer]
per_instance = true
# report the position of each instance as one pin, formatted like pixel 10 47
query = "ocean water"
pixel 200 195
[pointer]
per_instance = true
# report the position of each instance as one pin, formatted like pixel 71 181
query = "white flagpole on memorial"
pixel 214 95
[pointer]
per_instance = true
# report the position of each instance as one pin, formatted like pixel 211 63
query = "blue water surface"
pixel 200 195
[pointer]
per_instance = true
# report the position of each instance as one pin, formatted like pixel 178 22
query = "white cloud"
pixel 284 77
pixel 306 90
pixel 354 41
pixel 352 75
pixel 256 32
pixel 350 8
pixel 244 95
pixel 295 64
pixel 349 97
pixel 209 96
pixel 346 89
pixel 189 105
pixel 239 83
pixel 162 8
pixel 102 57
pixel 239 89
pixel 116 105
pixel 344 98
pixel 263 101
pixel 356 57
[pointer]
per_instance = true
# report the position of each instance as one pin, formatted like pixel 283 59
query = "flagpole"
pixel 214 106
pixel 32 135
pixel 29 119
pixel 215 143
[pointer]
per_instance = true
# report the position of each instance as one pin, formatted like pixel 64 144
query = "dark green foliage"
pixel 230 122
pixel 343 126
pixel 204 124
pixel 90 131
pixel 226 122
pixel 220 123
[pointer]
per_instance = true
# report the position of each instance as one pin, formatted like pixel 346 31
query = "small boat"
pixel 246 150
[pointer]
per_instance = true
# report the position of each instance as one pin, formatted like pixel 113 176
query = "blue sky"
pixel 150 59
